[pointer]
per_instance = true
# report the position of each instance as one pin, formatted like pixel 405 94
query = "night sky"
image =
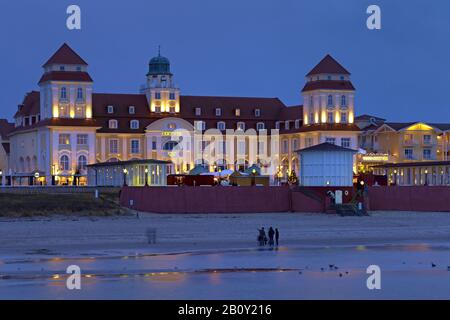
pixel 240 48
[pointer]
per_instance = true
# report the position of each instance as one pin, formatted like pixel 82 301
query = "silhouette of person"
pixel 277 236
pixel 271 235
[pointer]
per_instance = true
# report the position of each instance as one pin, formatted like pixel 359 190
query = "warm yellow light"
pixel 305 120
pixel 324 117
pixel 351 117
pixel 72 113
pixel 337 117
pixel 55 112
pixel 89 112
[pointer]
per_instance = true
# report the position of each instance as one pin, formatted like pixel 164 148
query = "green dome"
pixel 159 65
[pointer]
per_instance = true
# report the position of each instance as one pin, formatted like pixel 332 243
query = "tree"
pixel 292 179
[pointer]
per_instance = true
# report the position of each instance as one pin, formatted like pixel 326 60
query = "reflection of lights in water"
pixel 56 276
pixel 361 248
pixel 88 276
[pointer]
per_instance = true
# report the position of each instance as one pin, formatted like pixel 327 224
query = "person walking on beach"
pixel 262 239
pixel 271 235
pixel 277 236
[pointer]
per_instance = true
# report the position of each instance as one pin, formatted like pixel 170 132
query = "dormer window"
pixel 110 109
pixel 342 78
pixel 113 124
pixel 200 125
pixel 198 111
pixel 134 124
pixel 221 125
pixel 62 68
pixel 297 124
pixel 218 112
pixel 131 110
pixel 286 125
pixel 237 112
pixel 277 125
pixel 257 112
pixel 241 126
pixel 260 126
pixel 329 77
pixel 78 68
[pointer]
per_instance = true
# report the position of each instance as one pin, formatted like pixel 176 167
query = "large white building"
pixel 64 125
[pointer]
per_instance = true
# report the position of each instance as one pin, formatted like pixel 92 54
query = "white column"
pixel 124 149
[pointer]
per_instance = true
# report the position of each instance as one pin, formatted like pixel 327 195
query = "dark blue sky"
pixel 240 48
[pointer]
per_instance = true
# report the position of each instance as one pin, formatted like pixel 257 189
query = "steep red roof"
pixel 66 76
pixel 328 65
pixel 65 55
pixel 328 85
pixel 5 128
pixel 291 113
pixel 59 122
pixel 30 105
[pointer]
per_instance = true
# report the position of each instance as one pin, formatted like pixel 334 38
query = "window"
pixel 241 126
pixel 218 112
pixel 169 146
pixel 297 124
pixel 260 126
pixel 82 162
pixel 257 112
pixel 342 78
pixel 309 142
pixel 330 117
pixel 277 125
pixel 113 146
pixel 329 77
pixel 198 111
pixel 110 109
pixel 345 142
pixel 135 146
pixel 82 139
pixel 113 124
pixel 63 93
pixel 78 68
pixel 343 117
pixel 200 125
pixel 80 94
pixel 131 110
pixel 330 140
pixel 409 154
pixel 286 125
pixel 237 112
pixel 294 144
pixel 311 101
pixel 134 124
pixel 427 139
pixel 221 125
pixel 427 154
pixel 330 101
pixel 343 101
pixel 158 109
pixel 285 146
pixel 154 145
pixel 64 163
pixel 311 118
pixel 64 139
pixel 172 96
pixel 158 95
pixel 62 68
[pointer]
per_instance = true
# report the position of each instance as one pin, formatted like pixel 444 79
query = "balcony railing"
pixel 410 142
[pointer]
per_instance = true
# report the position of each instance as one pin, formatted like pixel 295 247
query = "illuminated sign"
pixel 375 157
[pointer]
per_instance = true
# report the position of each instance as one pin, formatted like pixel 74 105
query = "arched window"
pixel 113 124
pixel 169 146
pixel 64 163
pixel 330 100
pixel 80 94
pixel 63 93
pixel 22 165
pixel 134 124
pixel 343 101
pixel 28 164
pixel 82 162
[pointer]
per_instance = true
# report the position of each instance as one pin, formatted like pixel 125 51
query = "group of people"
pixel 273 239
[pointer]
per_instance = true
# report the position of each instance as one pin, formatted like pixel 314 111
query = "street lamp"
pixel 125 172
pixel 254 177
pixel 146 177
pixel 36 177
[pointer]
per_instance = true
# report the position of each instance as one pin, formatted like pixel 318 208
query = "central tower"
pixel 162 94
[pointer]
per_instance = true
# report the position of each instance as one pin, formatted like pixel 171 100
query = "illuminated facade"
pixel 66 126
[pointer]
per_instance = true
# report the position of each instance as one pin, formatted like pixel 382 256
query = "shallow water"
pixel 283 273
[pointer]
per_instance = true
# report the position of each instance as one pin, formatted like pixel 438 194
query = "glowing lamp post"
pixel 254 177
pixel 146 177
pixel 125 173
pixel 36 177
